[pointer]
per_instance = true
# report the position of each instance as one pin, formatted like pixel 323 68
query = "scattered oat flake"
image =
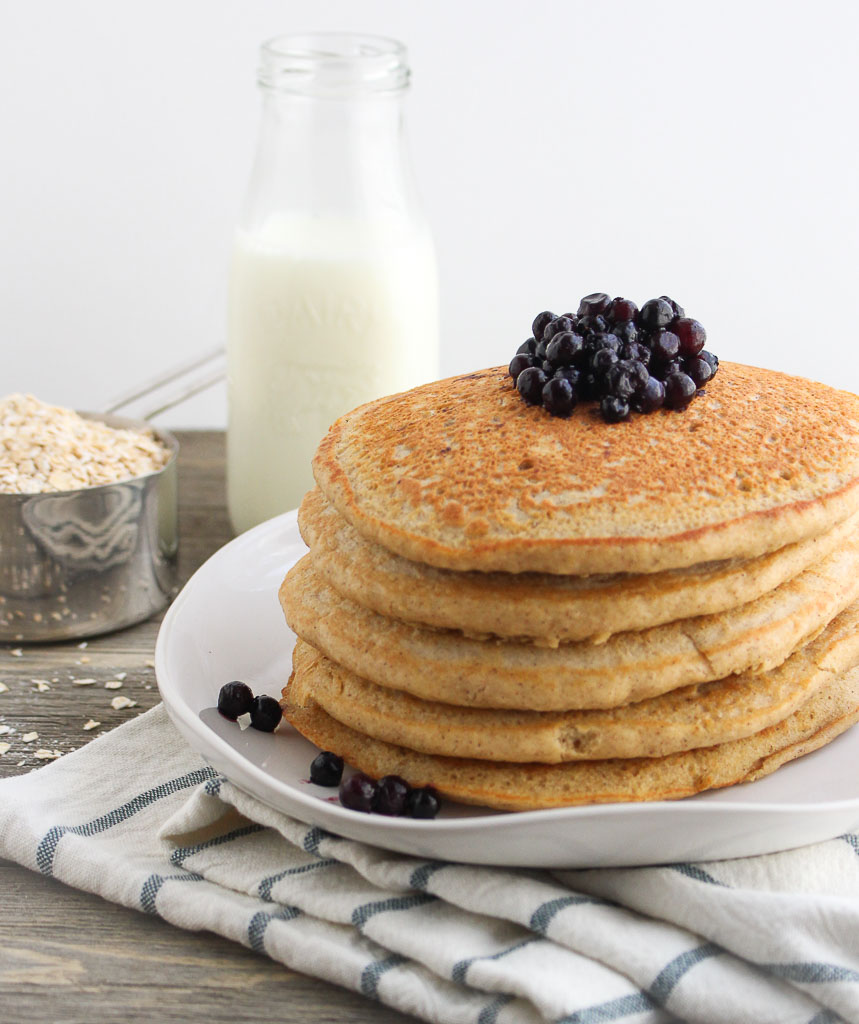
pixel 91 724
pixel 149 664
pixel 16 652
pixel 28 737
pixel 84 660
pixel 4 747
pixel 41 685
pixel 120 703
pixel 4 688
pixel 244 720
pixel 83 682
pixel 47 755
pixel 113 684
pixel 121 675
pixel 83 646
pixel 5 730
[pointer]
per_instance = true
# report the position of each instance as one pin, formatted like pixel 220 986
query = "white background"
pixel 707 150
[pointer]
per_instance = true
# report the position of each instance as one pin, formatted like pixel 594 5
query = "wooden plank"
pixel 72 957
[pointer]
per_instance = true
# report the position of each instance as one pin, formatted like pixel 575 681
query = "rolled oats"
pixel 48 448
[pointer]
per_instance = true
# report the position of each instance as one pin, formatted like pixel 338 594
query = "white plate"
pixel 227 624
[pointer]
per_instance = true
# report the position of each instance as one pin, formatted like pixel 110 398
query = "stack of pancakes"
pixel 525 611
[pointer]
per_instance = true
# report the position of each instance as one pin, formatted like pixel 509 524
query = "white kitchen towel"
pixel 139 818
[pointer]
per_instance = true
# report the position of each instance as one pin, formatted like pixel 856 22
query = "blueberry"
pixel 527 347
pixel 638 372
pixel 651 397
pixel 614 409
pixel 656 313
pixel 594 304
pixel 564 349
pixel 679 390
pixel 603 359
pixel 530 383
pixel 559 398
pixel 632 350
pixel 621 309
pixel 691 334
pixel 597 341
pixel 676 307
pixel 326 769
pixel 540 321
pixel 626 332
pixel 626 377
pixel 521 361
pixel 556 326
pixel 664 370
pixel 234 699
pixel 266 713
pixel 595 323
pixel 664 345
pixel 708 357
pixel 358 792
pixel 569 373
pixel 422 803
pixel 540 352
pixel 391 794
pixel 698 369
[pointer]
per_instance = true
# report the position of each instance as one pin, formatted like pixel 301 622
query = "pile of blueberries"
pixel 391 795
pixel 610 351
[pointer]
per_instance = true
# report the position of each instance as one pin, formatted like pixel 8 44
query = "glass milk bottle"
pixel 333 292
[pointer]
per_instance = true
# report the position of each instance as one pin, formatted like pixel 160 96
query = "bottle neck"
pixel 322 157
pixel 332 141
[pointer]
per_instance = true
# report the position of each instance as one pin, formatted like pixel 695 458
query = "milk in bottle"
pixel 333 294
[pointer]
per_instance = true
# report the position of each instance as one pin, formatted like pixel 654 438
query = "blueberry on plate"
pixel 358 792
pixel 234 699
pixel 266 713
pixel 422 803
pixel 326 769
pixel 391 795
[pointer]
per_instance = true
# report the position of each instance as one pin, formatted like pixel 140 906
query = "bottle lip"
pixel 335 65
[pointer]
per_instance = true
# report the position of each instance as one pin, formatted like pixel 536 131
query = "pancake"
pixel 462 474
pixel 518 787
pixel 693 716
pixel 447 666
pixel 551 607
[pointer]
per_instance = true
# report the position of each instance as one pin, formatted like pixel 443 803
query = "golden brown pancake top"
pixel 463 474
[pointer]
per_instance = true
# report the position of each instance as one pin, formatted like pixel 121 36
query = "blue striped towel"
pixel 139 818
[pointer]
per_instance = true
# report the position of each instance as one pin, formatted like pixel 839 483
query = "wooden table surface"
pixel 70 957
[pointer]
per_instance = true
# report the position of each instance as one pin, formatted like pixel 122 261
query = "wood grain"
pixel 72 957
